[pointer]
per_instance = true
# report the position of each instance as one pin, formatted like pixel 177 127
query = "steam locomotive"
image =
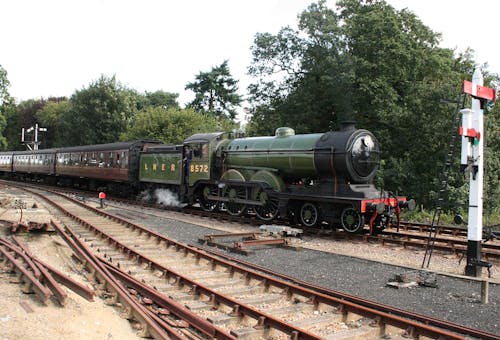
pixel 310 179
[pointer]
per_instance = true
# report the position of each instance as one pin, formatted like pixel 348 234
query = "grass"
pixel 447 218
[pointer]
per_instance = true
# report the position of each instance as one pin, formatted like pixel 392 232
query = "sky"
pixel 55 47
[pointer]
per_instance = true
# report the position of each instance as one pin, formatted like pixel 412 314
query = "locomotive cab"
pixel 196 161
pixel 201 168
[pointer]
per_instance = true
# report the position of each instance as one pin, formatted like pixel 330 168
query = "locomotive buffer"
pixel 472 158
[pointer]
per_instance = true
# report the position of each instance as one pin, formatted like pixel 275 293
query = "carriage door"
pixel 198 163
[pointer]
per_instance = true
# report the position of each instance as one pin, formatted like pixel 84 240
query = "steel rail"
pixel 150 327
pixel 383 317
pixel 489 251
pixel 18 251
pixel 60 277
pixel 263 318
pixel 238 307
pixel 476 333
pixel 41 291
pixel 424 228
pixel 57 290
pixel 172 306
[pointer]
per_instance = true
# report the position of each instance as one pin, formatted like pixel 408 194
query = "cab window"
pixel 199 150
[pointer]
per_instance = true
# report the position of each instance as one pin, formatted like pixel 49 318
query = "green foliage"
pixel 101 112
pixel 6 105
pixel 52 116
pixel 173 125
pixel 24 115
pixel 160 99
pixel 303 77
pixel 383 68
pixel 216 92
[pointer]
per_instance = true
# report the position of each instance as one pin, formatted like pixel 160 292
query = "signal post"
pixel 472 159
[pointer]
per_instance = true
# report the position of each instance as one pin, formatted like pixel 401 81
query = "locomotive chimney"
pixel 347 126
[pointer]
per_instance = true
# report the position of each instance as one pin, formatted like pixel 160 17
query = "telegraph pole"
pixel 472 159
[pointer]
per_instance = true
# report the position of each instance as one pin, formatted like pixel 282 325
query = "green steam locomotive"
pixel 310 179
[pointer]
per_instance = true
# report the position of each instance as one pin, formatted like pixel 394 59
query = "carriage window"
pixel 93 160
pixel 117 165
pixel 110 160
pixel 60 159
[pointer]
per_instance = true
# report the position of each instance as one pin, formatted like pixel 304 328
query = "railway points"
pixel 146 213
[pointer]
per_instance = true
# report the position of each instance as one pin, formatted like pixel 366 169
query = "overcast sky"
pixel 54 47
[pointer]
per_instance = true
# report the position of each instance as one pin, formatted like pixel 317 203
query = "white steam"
pixel 167 197
pixel 144 196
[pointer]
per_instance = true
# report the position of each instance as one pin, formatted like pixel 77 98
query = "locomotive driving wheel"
pixel 233 193
pixel 351 220
pixel 309 215
pixel 205 203
pixel 269 208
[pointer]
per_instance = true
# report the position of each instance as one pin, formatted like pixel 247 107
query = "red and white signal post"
pixel 472 131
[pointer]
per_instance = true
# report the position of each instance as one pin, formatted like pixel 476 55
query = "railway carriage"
pixel 6 162
pixel 34 164
pixel 113 166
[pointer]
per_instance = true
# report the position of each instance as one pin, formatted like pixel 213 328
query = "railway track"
pixel 243 302
pixel 449 239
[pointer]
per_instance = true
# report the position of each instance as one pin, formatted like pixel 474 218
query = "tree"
pixel 6 105
pixel 173 125
pixel 157 98
pixel 303 77
pixel 25 115
pixel 101 112
pixel 364 61
pixel 216 92
pixel 162 99
pixel 52 116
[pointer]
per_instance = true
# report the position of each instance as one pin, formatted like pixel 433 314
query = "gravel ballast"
pixel 456 299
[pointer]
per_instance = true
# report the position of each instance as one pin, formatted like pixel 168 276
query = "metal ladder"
pixel 444 177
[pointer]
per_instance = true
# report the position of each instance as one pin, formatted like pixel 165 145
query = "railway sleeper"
pixel 136 241
pixel 260 300
pixel 161 285
pixel 364 329
pixel 200 273
pixel 224 282
pixel 197 305
pixel 299 307
pixel 136 270
pixel 112 252
pixel 251 333
pixel 188 265
pixel 118 257
pixel 316 322
pixel 148 249
pixel 241 290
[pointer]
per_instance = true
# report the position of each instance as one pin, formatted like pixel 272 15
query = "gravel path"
pixel 455 299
